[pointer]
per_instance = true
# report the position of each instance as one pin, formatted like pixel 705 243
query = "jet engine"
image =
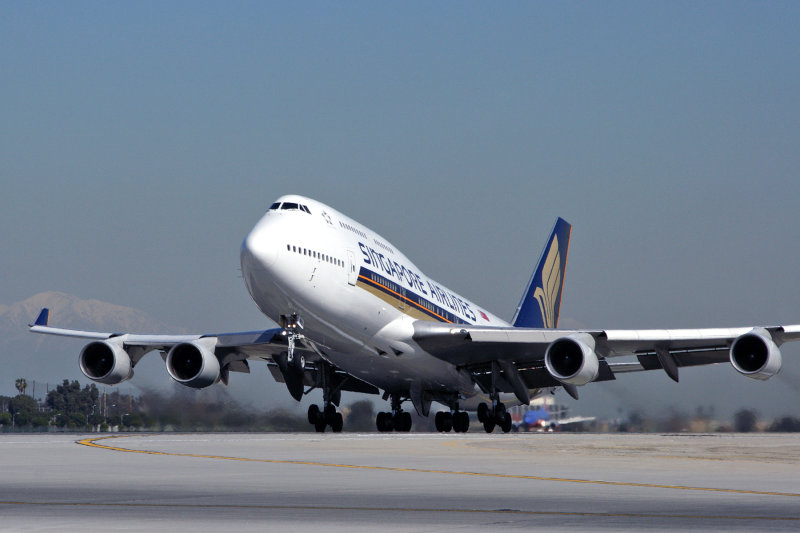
pixel 756 355
pixel 193 364
pixel 572 359
pixel 105 362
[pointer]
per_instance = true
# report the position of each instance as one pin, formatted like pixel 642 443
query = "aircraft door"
pixel 352 273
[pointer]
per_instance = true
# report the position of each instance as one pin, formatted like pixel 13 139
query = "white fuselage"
pixel 357 295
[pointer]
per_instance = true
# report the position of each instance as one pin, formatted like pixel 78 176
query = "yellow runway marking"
pixel 394 509
pixel 93 442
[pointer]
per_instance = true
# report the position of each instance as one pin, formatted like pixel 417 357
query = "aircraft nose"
pixel 261 244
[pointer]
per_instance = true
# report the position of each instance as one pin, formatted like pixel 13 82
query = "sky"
pixel 139 142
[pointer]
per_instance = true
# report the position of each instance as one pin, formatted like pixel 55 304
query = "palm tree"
pixel 21 385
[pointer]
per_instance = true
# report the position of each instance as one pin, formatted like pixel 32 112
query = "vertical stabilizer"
pixel 541 302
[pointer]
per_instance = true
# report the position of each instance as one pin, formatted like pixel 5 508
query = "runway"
pixel 399 482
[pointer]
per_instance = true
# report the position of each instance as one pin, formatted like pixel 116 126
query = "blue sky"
pixel 140 142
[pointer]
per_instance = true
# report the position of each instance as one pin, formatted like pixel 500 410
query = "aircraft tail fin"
pixel 541 301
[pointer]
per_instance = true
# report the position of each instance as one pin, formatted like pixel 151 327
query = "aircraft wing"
pixel 232 350
pixel 515 357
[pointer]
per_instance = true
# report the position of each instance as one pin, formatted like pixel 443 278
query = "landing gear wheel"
pixel 384 422
pixel 320 426
pixel 461 421
pixel 505 425
pixel 402 421
pixel 298 362
pixel 314 413
pixel 330 413
pixel 488 425
pixel 483 412
pixel 499 413
pixel 447 422
pixel 338 423
pixel 437 421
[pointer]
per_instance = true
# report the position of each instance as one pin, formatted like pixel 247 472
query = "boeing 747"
pixel 355 314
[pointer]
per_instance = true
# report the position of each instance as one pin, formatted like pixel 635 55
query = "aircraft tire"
pixel 447 422
pixel 320 426
pixel 338 423
pixel 505 425
pixel 500 412
pixel 437 421
pixel 483 412
pixel 488 425
pixel 330 413
pixel 403 422
pixel 461 422
pixel 314 413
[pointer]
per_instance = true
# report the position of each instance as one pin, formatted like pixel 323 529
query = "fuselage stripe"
pixel 437 312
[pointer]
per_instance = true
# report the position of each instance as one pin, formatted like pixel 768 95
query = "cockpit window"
pixel 305 208
pixel 276 205
pixel 289 206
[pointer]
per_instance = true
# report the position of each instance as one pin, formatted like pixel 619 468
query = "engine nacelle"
pixel 193 364
pixel 572 359
pixel 756 355
pixel 105 362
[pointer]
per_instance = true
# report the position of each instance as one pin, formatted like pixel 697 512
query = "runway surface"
pixel 399 482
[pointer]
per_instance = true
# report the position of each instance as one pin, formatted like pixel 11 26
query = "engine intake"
pixel 756 355
pixel 105 362
pixel 572 359
pixel 193 364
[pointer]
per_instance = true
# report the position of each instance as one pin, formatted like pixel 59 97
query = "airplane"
pixel 355 314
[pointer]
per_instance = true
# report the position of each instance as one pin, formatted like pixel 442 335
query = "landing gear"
pixel 457 421
pixel 291 327
pixel 396 420
pixel 494 416
pixel 387 422
pixel 328 416
pixel 320 419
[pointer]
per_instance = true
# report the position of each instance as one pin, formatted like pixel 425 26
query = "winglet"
pixel 541 301
pixel 43 318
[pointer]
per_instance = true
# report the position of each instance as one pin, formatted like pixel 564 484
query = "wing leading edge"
pixel 110 357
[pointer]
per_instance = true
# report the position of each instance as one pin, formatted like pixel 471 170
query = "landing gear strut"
pixel 291 327
pixel 328 415
pixel 396 420
pixel 496 415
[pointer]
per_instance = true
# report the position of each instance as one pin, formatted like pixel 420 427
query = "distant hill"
pixel 47 359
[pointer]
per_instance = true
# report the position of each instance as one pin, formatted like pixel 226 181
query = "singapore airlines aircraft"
pixel 355 314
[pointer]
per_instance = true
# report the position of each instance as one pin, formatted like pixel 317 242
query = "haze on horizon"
pixel 139 144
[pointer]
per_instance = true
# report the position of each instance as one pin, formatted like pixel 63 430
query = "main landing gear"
pixel 396 420
pixel 457 421
pixel 494 416
pixel 329 416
